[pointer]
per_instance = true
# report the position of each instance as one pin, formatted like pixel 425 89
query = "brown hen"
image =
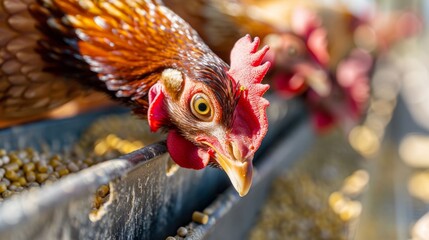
pixel 142 54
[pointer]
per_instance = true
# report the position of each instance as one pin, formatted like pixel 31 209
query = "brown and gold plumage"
pixel 116 48
pixel 25 89
pixel 142 54
pixel 221 22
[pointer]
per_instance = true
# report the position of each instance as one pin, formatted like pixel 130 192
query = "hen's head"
pixel 214 115
pixel 145 55
pixel 300 56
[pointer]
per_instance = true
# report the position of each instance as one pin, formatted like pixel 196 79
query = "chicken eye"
pixel 201 108
pixel 292 51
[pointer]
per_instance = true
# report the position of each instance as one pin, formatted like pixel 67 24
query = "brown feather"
pixel 221 22
pixel 25 88
pixel 125 44
pixel 120 47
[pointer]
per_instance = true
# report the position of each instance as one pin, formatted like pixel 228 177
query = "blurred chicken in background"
pixel 319 52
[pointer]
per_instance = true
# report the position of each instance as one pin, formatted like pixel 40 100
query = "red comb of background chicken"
pixel 247 71
pixel 307 24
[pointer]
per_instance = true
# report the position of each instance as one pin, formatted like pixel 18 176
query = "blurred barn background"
pixel 346 155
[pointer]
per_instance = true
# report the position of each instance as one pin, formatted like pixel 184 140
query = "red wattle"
pixel 185 153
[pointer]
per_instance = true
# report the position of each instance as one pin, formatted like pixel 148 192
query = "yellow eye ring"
pixel 201 107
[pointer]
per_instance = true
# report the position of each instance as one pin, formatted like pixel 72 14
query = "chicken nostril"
pixel 230 148
pixel 235 151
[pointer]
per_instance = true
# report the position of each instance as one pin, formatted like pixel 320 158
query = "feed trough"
pixel 149 197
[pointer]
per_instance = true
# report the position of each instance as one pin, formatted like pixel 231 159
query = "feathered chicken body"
pixel 143 54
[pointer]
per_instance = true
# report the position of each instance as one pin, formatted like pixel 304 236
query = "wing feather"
pixel 25 88
pixel 125 44
pixel 118 46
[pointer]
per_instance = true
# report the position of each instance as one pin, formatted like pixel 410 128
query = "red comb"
pixel 246 60
pixel 247 72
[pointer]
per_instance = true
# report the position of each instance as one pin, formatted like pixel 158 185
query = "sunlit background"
pixel 366 93
pixel 387 195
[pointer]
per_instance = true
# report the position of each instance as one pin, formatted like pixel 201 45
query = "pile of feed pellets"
pixel 318 197
pixel 28 169
pixel 298 208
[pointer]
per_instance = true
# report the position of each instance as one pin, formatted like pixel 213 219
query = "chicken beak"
pixel 239 172
pixel 238 169
pixel 315 78
pixel 319 82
